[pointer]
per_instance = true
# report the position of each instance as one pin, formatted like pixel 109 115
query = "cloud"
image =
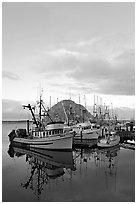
pixel 127 56
pixel 116 77
pixel 56 61
pixel 12 110
pixel 106 64
pixel 91 41
pixel 73 88
pixel 10 75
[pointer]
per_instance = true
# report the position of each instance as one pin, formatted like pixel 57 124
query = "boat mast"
pixel 46 111
pixel 95 109
pixel 79 108
pixel 67 120
pixel 85 101
pixel 40 109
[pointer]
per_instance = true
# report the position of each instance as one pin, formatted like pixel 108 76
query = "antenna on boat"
pixel 50 102
pixel 79 106
pixel 40 108
pixel 85 100
pixel 112 111
pixel 95 108
pixel 40 105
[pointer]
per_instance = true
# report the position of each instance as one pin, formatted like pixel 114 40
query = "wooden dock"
pixel 126 135
pixel 127 146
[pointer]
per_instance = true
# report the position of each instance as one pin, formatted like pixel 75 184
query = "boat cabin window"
pixel 88 127
pixel 61 131
pixel 57 131
pixel 54 132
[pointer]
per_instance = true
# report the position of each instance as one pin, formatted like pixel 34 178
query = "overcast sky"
pixel 69 49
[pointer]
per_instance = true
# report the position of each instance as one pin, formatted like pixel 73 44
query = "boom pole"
pixel 30 108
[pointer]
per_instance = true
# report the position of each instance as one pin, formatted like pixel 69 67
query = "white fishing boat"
pixel 87 130
pixel 110 140
pixel 53 135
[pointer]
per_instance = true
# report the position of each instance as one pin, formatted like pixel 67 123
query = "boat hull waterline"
pixel 56 143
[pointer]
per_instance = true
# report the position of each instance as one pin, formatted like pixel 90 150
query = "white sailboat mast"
pixel 65 113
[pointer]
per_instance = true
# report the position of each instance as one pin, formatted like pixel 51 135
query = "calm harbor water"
pixel 81 175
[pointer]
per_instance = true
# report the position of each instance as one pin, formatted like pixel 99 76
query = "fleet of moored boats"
pixel 58 135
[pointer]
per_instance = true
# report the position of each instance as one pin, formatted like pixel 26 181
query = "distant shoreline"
pixel 7 121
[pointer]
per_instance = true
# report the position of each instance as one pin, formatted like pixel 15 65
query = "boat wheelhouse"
pixel 87 130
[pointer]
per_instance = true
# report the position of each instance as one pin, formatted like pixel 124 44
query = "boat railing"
pixel 49 133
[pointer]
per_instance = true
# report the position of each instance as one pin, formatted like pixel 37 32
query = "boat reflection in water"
pixel 96 166
pixel 105 161
pixel 44 165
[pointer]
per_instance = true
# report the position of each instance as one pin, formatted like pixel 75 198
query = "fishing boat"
pixel 88 131
pixel 53 135
pixel 110 140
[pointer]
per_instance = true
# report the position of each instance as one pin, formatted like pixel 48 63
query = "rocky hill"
pixel 69 111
